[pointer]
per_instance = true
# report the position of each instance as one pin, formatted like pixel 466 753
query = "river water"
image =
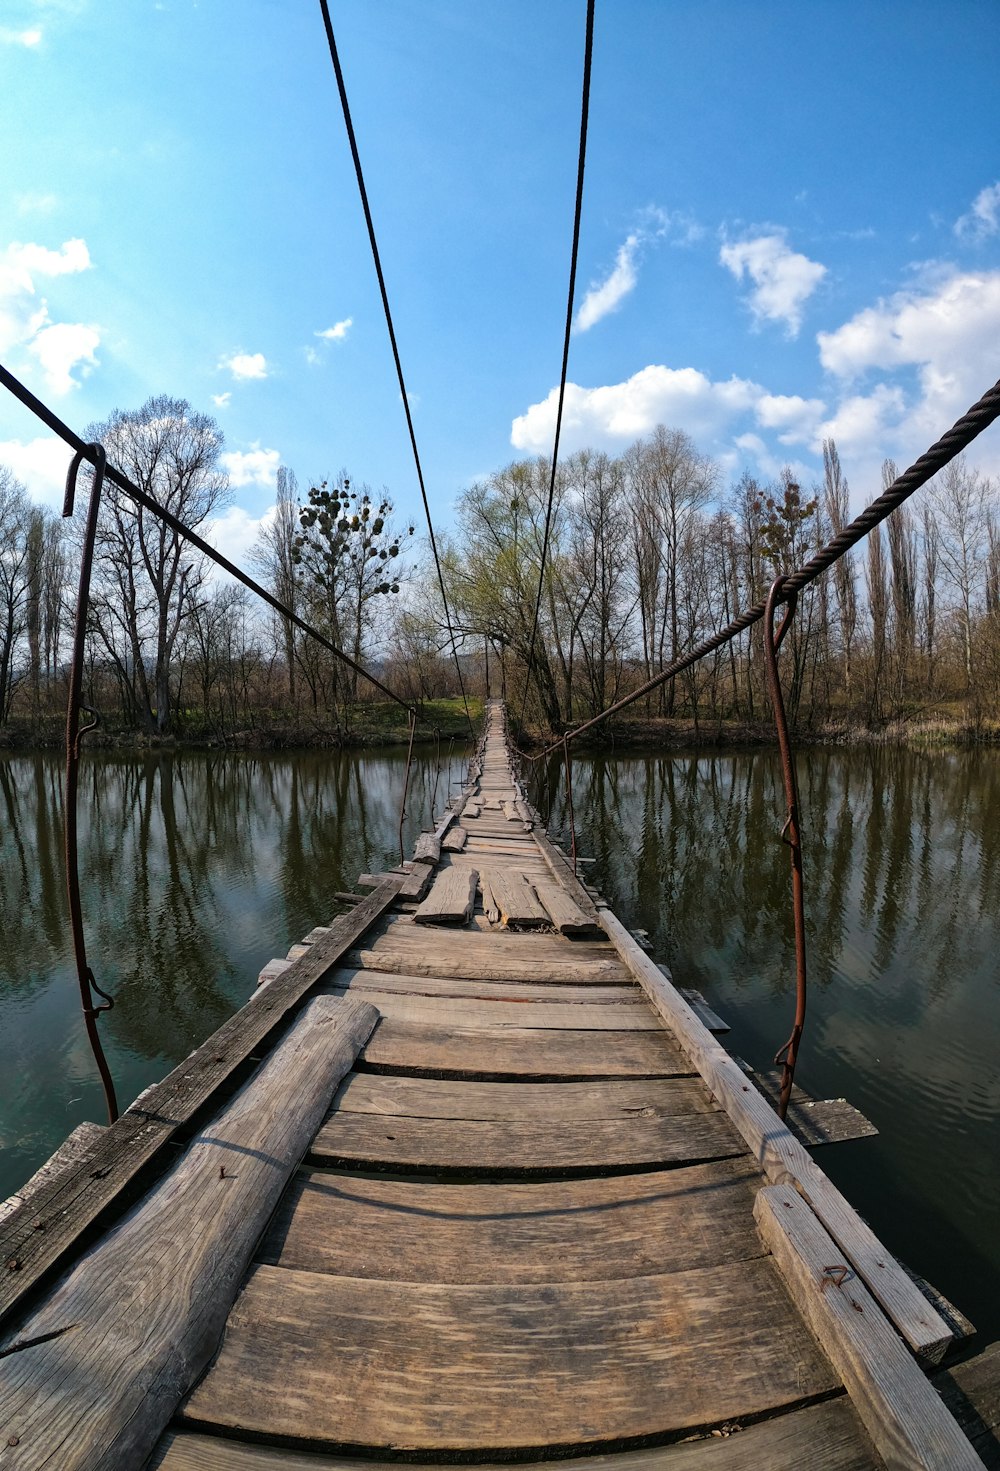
pixel 198 868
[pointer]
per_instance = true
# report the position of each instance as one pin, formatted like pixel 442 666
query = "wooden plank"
pixel 134 1323
pixel 562 871
pixel 452 898
pixel 437 1098
pixel 422 1049
pixel 470 1012
pixel 371 980
pixel 782 1157
pixel 516 902
pixel 596 1229
pixel 438 962
pixel 565 914
pixel 490 1368
pixel 505 1150
pixel 73 1203
pixel 901 1411
pixel 68 1158
pixel 490 909
pixel 455 840
pixel 712 1020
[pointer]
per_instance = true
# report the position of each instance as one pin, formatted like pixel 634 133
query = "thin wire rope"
pixel 356 156
pixel 979 417
pixel 588 57
pixel 80 447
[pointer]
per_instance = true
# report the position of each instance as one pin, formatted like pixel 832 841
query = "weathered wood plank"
pixel 134 1323
pixel 68 1158
pixel 522 1150
pixel 455 840
pixel 901 1411
pixel 470 1012
pixel 597 1229
pixel 452 898
pixel 562 871
pixel 437 1098
pixel 428 1050
pixel 443 963
pixel 782 1157
pixel 484 1367
pixel 74 1202
pixel 712 1020
pixel 565 914
pixel 372 980
pixel 516 902
pixel 428 849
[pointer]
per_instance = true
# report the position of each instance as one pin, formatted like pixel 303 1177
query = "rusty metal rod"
pixel 406 784
pixel 791 833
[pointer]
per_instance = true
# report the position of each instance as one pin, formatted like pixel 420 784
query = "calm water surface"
pixel 902 874
pixel 199 868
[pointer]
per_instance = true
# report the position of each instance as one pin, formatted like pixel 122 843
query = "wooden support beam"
pixel 71 1204
pixel 133 1325
pixel 902 1412
pixel 783 1158
pixel 562 869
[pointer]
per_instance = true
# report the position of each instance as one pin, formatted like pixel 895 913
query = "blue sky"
pixel 791 229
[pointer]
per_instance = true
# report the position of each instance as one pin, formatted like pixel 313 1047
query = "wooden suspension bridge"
pixel 469 1180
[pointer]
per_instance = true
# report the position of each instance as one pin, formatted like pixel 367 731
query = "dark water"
pixel 196 870
pixel 902 866
pixel 199 868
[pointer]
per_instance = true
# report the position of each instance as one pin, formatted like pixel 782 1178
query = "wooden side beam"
pixel 782 1158
pixel 72 1203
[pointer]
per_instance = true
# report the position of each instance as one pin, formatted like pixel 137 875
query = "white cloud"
pixel 614 415
pixel 783 279
pixel 606 296
pixel 796 417
pixel 41 464
pixel 29 37
pixel 36 204
pixel 245 365
pixel 983 219
pixel 62 347
pixel 25 321
pixel 255 466
pixel 235 531
pixel 337 332
pixel 221 400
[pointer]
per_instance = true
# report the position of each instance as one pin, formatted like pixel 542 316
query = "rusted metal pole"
pixel 791 833
pixel 74 735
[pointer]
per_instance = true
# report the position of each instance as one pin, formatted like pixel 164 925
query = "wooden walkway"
pixel 493 1190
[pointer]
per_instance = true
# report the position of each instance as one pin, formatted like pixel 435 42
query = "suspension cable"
pixel 979 417
pixel 80 447
pixel 574 253
pixel 356 156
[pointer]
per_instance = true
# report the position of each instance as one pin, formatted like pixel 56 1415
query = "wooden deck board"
pixel 489 1368
pixel 415 1048
pixel 597 1229
pixel 357 979
pixel 437 1098
pixel 466 1012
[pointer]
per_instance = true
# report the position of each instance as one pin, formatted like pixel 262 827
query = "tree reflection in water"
pixel 196 869
pixel 902 874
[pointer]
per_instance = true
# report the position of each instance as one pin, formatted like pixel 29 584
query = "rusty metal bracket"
pixel 791 832
pixel 94 454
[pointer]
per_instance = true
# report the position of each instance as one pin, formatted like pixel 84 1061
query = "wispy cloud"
pixel 604 297
pixel 60 348
pixel 36 204
pixel 783 280
pixel 983 219
pixel 32 36
pixel 337 332
pixel 221 400
pixel 245 365
pixel 254 466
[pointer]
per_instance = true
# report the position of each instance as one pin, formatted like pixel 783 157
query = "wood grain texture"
pixel 427 1050
pixel 505 1150
pixel 436 960
pixel 597 1229
pixel 454 840
pixel 469 1012
pixel 68 1158
pixel 428 848
pixel 137 1319
pixel 783 1158
pixel 379 980
pixel 489 1367
pixel 452 898
pixel 903 1414
pixel 74 1201
pixel 442 1098
pixel 565 914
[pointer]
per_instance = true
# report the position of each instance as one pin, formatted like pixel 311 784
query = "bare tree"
pixel 962 499
pixel 273 554
pixel 836 504
pixel 146 577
